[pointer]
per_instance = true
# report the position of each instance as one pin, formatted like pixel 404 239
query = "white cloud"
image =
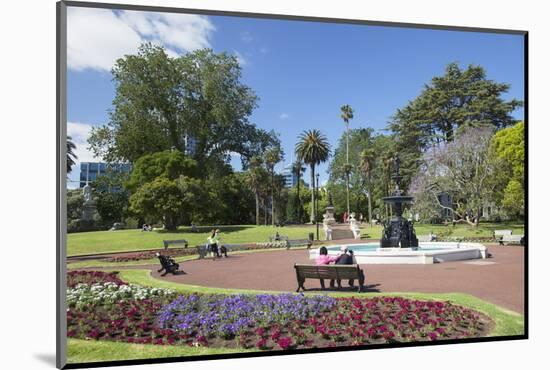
pixel 79 133
pixel 97 37
pixel 246 36
pixel 241 59
pixel 284 116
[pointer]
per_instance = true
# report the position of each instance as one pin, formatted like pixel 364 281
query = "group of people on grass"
pixel 345 257
pixel 214 246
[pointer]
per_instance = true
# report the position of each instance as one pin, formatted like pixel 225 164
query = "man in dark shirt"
pixel 345 259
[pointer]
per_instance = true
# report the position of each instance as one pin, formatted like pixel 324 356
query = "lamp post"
pixel 317 206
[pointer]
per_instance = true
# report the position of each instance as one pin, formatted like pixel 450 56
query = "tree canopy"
pixel 457 100
pixel 161 101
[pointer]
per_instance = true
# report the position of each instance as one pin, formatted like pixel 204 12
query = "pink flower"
pixel 261 344
pixel 284 342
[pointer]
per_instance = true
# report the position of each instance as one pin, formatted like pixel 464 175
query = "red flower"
pixel 284 342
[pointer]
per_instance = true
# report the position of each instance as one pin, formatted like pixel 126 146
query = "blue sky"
pixel 302 71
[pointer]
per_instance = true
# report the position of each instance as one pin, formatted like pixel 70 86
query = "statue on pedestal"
pixel 89 207
pixel 328 217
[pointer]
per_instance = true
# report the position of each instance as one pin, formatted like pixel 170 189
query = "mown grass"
pixel 130 240
pixel 81 351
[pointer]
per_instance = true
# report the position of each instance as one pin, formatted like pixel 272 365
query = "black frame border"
pixel 61 173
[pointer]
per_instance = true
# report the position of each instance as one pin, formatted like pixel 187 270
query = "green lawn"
pixel 79 351
pixel 130 240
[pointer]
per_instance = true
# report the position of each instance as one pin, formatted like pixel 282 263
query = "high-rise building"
pixel 190 145
pixel 89 171
pixel 290 179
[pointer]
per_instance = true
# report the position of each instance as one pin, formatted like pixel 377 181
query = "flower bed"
pixel 88 295
pixel 179 252
pixel 270 322
pixel 75 278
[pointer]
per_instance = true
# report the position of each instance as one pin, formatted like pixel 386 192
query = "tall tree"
pixel 162 103
pixel 459 99
pixel 462 169
pixel 71 156
pixel 508 148
pixel 366 167
pixel 312 148
pixel 272 157
pixel 347 115
pixel 256 178
pixel 297 170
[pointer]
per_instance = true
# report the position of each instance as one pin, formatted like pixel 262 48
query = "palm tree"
pixel 255 178
pixel 366 166
pixel 312 149
pixel 347 114
pixel 272 157
pixel 297 169
pixel 71 156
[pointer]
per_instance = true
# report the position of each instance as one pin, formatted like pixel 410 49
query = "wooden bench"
pixel 168 265
pixel 280 238
pixel 332 272
pixel 167 243
pixel 508 239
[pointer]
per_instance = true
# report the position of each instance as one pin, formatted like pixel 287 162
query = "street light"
pixel 317 206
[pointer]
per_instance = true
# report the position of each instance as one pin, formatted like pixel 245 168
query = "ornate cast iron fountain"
pixel 398 231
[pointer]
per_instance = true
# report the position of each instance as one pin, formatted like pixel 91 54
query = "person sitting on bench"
pixel 347 258
pixel 222 248
pixel 325 259
pixel 167 264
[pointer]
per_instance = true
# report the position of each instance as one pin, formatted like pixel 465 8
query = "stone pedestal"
pixel 329 215
pixel 89 209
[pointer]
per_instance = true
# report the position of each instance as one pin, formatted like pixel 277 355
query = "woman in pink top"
pixel 325 259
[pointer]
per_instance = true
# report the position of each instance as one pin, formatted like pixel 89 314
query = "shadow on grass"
pixel 367 288
pixel 206 229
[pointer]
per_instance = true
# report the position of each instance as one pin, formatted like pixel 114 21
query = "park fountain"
pixel 398 231
pixel 399 244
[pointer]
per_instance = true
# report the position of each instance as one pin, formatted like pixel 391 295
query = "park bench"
pixel 168 265
pixel 499 234
pixel 508 239
pixel 275 238
pixel 167 243
pixel 332 272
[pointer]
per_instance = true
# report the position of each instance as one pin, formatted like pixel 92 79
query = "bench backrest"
pixel 502 232
pixel 327 271
pixel 299 241
pixel 170 242
pixel 512 238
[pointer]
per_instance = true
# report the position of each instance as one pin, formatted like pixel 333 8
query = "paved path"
pixel 499 280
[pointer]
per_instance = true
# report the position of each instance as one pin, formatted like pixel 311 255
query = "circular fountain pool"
pixel 426 253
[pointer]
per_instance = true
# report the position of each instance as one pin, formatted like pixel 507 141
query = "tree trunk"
pixel 299 200
pixel 347 190
pixel 312 216
pixel 272 202
pixel 370 207
pixel 169 223
pixel 257 208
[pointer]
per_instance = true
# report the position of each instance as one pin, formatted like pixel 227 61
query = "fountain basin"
pixel 426 253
